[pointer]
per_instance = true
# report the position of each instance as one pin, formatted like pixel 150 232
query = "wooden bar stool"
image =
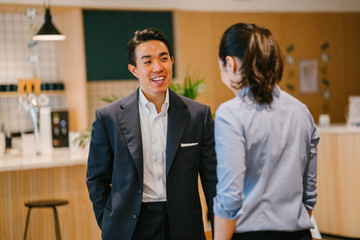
pixel 45 204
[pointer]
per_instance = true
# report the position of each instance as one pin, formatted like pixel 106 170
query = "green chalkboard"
pixel 106 35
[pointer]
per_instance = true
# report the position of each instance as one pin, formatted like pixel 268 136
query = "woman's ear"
pixel 234 64
pixel 231 64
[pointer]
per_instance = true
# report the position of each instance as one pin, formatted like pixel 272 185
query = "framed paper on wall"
pixel 308 75
pixel 353 118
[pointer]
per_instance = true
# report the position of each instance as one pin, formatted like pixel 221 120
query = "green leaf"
pixel 189 88
pixel 324 46
pixel 110 99
pixel 323 70
pixel 290 48
pixel 290 87
pixel 325 82
pixel 84 138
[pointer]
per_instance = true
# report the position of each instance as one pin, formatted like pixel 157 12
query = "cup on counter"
pixel 52 86
pixel 45 130
pixel 324 120
pixel 8 88
pixel 58 86
pixel 43 87
pixel 28 145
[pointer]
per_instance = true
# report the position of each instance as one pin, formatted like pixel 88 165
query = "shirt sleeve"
pixel 231 154
pixel 310 174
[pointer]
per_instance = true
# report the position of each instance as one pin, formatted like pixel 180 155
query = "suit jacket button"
pixel 134 216
pixel 140 190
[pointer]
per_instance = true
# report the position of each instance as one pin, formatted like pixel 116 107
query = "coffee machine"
pixel 60 128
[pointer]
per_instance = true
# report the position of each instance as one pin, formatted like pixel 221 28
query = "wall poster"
pixel 308 71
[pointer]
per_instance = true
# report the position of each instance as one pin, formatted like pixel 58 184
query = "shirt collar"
pixel 144 103
pixel 245 90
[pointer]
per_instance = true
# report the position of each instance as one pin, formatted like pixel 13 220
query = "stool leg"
pixel 57 225
pixel 27 222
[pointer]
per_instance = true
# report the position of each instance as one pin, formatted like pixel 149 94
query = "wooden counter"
pixel 62 175
pixel 61 157
pixel 337 211
pixel 58 175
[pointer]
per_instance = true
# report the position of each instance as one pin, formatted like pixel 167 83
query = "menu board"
pixel 107 33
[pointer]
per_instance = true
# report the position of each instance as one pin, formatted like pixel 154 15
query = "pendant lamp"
pixel 48 31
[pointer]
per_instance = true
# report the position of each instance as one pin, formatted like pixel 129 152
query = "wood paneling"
pixel 201 33
pixel 71 55
pixel 352 50
pixel 77 220
pixel 337 211
pixel 196 42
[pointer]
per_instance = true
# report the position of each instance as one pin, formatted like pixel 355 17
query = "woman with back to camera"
pixel 265 142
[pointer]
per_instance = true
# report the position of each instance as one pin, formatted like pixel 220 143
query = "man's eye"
pixel 164 59
pixel 147 62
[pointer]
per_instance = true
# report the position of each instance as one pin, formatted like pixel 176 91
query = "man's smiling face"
pixel 153 68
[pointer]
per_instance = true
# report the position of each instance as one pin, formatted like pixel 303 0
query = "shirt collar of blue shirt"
pixel 246 91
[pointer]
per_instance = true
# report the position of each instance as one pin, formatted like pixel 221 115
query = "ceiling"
pixel 209 5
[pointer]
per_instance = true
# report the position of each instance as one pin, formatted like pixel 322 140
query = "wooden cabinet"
pixel 337 211
pixel 43 179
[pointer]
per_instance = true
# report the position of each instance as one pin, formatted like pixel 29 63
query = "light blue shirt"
pixel 267 163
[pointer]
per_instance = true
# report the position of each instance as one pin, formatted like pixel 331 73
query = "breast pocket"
pixel 188 157
pixel 189 147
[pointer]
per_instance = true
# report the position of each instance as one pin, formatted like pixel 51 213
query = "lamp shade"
pixel 48 31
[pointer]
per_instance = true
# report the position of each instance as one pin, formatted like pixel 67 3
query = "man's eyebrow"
pixel 164 53
pixel 145 56
pixel 149 56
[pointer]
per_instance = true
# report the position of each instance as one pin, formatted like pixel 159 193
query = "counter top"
pixel 338 128
pixel 65 157
pixel 57 158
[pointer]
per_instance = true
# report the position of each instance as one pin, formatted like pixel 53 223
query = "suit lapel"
pixel 177 120
pixel 129 121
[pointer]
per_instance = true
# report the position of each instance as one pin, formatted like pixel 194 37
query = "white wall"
pixel 210 5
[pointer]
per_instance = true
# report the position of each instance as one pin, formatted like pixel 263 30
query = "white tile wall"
pixel 15 39
pixel 15 42
pixel 100 89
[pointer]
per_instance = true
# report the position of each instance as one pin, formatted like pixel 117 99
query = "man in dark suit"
pixel 146 152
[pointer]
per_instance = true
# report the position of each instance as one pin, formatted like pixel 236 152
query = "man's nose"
pixel 158 66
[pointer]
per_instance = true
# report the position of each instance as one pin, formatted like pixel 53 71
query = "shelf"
pixel 49 93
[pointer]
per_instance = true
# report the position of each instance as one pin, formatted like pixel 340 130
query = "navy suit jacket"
pixel 115 167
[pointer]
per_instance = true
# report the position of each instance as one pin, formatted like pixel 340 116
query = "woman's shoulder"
pixel 295 105
pixel 232 108
pixel 286 98
pixel 229 104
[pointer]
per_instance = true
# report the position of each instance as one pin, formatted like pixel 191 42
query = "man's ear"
pixel 133 70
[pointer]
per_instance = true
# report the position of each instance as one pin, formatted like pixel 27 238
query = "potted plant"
pixel 188 88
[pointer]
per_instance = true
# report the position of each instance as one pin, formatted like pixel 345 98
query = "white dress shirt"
pixel 153 132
